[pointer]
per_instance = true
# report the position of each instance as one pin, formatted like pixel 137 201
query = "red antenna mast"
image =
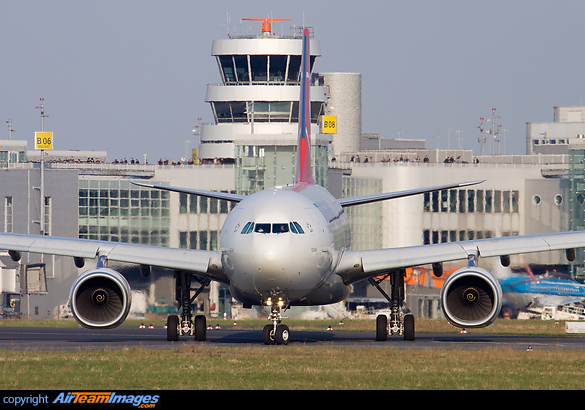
pixel 266 27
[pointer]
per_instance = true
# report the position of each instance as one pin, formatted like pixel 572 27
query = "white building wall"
pixel 345 102
pixel 208 177
pixel 552 137
pixel 263 46
pixel 405 220
pixel 570 114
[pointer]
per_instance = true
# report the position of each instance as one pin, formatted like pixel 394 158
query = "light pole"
pixel 42 187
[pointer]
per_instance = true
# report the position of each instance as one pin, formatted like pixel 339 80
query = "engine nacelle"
pixel 100 298
pixel 471 297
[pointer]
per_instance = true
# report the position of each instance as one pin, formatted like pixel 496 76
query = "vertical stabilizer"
pixel 304 173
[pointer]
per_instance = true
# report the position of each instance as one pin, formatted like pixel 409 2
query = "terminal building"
pixel 251 146
pixel 555 137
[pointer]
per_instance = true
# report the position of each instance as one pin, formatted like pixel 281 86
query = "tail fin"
pixel 303 170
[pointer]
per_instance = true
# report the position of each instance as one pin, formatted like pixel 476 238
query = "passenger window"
pixel 248 228
pixel 262 228
pixel 279 228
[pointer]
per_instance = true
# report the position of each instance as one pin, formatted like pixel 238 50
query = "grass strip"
pixel 288 367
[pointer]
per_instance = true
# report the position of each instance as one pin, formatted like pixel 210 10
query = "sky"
pixel 129 77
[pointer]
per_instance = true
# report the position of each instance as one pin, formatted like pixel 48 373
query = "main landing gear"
pixel 398 323
pixel 275 333
pixel 185 325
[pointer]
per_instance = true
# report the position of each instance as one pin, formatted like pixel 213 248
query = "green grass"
pixel 293 367
pixel 207 366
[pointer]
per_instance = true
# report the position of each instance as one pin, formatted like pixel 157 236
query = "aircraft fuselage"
pixel 523 292
pixel 285 243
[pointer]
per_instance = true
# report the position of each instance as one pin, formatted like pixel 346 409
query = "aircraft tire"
pixel 282 335
pixel 381 328
pixel 267 338
pixel 200 328
pixel 409 327
pixel 173 328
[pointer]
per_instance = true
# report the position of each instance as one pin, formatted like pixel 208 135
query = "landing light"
pixel 280 302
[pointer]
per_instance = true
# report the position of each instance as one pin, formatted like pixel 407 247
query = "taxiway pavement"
pixel 75 339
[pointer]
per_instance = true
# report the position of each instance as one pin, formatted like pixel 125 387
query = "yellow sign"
pixel 328 124
pixel 43 140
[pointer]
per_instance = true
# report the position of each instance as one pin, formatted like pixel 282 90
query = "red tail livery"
pixel 303 171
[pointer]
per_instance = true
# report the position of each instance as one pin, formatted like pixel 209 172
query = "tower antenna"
pixel 266 26
pixel 10 130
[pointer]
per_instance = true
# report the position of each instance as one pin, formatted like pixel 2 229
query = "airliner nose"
pixel 271 253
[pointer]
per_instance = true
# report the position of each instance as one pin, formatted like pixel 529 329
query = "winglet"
pixel 303 170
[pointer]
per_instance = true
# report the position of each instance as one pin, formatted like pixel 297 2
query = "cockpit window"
pixel 283 227
pixel 297 226
pixel 262 228
pixel 248 228
pixel 280 228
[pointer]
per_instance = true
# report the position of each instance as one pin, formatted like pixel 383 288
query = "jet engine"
pixel 100 298
pixel 471 297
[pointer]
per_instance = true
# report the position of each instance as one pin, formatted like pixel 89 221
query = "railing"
pixel 106 166
pixel 349 165
pixel 99 166
pixel 549 164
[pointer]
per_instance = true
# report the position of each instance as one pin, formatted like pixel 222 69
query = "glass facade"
pixel 116 210
pixel 262 111
pixel 472 201
pixel 8 214
pixel 204 239
pixel 260 69
pixel 7 157
pixel 577 207
pixel 365 220
pixel 468 201
pixel 263 167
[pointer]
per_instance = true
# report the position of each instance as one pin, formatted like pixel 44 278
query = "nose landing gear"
pixel 276 333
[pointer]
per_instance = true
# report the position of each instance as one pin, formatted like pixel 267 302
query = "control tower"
pixel 256 107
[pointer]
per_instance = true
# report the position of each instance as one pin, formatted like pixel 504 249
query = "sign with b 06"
pixel 43 140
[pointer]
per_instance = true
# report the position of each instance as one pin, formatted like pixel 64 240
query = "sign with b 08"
pixel 328 124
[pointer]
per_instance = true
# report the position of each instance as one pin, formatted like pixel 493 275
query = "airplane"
pixel 527 293
pixel 290 246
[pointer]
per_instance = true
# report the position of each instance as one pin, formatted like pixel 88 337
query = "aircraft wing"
pixel 359 265
pixel 366 199
pixel 204 263
pixel 210 194
pixel 555 300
